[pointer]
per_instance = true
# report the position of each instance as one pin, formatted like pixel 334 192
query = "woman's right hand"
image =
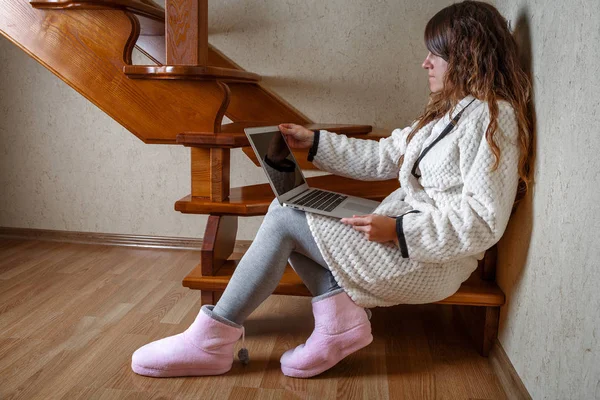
pixel 297 136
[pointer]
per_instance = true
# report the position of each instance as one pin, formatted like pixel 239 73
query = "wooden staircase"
pixel 182 99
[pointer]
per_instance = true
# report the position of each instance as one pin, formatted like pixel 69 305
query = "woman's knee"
pixel 283 216
pixel 276 209
pixel 274 204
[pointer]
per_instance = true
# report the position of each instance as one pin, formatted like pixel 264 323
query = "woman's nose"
pixel 426 63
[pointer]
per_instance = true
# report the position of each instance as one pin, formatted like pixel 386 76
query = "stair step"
pixel 255 199
pixel 144 9
pixel 290 283
pixel 473 292
pixel 232 135
pixel 189 72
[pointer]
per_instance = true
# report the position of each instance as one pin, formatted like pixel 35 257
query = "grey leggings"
pixel 284 234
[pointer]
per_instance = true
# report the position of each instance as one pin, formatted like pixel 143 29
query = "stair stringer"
pixel 88 49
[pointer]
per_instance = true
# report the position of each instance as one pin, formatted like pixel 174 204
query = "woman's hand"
pixel 297 136
pixel 377 228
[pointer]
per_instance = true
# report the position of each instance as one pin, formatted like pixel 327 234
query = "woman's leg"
pixel 284 234
pixel 317 277
pixel 206 347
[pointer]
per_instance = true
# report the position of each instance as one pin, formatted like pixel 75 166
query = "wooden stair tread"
pixel 290 282
pixel 232 135
pixel 255 199
pixel 473 292
pixel 149 10
pixel 142 8
pixel 212 140
pixel 189 72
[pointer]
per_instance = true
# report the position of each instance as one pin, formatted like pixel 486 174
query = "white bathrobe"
pixel 455 211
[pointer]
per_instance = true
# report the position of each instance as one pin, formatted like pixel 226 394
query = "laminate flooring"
pixel 71 315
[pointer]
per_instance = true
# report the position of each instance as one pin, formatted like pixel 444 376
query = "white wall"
pixel 549 266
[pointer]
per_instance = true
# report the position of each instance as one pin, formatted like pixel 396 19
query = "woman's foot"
pixel 341 328
pixel 205 348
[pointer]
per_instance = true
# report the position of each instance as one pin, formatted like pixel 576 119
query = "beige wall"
pixel 65 165
pixel 550 327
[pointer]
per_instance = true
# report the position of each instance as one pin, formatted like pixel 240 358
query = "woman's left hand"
pixel 377 228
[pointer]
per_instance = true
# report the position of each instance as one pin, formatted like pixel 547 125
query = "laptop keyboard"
pixel 320 200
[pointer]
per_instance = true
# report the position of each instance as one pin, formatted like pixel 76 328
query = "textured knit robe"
pixel 455 211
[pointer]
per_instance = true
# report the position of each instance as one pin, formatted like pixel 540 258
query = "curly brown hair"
pixel 482 55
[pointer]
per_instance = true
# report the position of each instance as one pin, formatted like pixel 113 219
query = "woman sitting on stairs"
pixel 458 165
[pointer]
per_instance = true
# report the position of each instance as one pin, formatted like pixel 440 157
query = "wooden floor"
pixel 71 315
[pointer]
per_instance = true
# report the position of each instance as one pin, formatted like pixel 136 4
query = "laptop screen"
pixel 278 161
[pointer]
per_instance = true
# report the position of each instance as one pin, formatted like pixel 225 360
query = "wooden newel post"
pixel 211 166
pixel 210 173
pixel 187 49
pixel 187 32
pixel 187 44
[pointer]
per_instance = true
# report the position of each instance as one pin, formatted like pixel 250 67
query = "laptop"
pixel 288 182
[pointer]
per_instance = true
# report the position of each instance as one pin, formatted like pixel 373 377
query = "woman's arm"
pixel 350 157
pixel 479 220
pixel 359 158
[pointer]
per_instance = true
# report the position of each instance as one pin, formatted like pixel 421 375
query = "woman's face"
pixel 436 67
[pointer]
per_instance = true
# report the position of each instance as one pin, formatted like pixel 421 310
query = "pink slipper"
pixel 205 348
pixel 341 328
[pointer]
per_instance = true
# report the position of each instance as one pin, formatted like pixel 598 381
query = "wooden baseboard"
pixel 507 375
pixel 111 239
